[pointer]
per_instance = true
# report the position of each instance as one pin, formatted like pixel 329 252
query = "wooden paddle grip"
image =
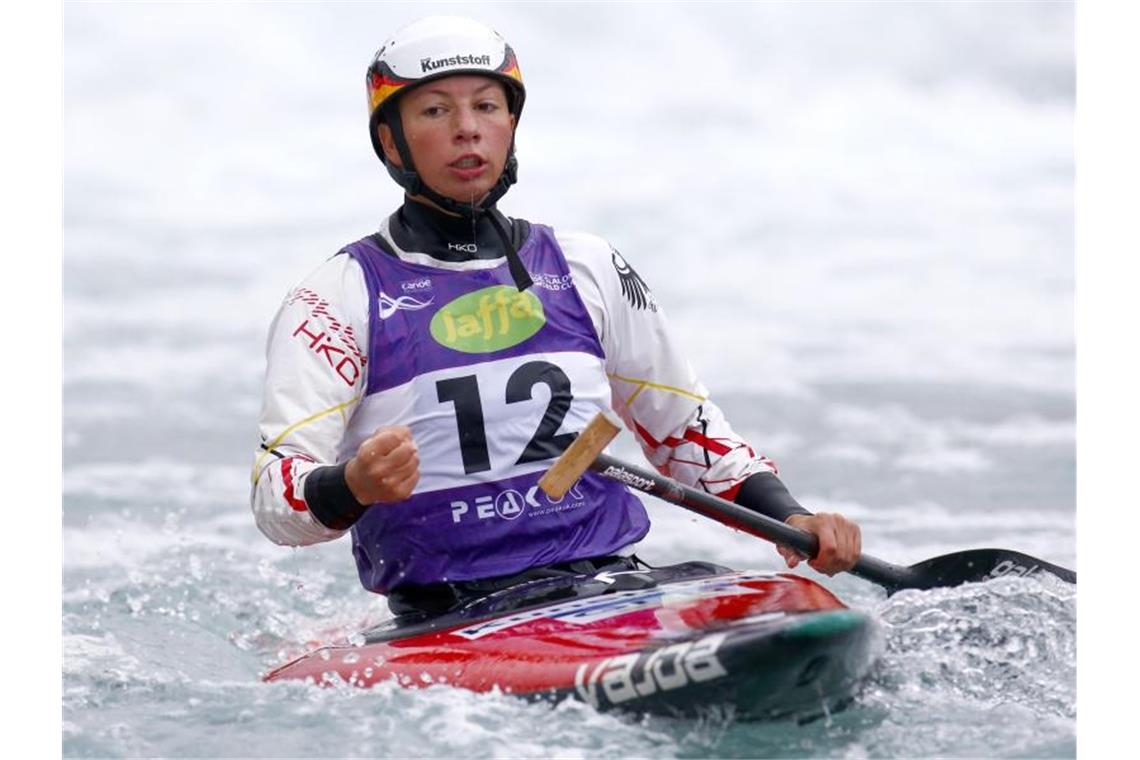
pixel 579 455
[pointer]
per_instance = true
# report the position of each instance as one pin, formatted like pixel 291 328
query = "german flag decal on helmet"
pixel 440 46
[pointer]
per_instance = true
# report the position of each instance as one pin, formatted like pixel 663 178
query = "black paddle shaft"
pixel 948 570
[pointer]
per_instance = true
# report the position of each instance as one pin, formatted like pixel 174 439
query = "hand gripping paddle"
pixel 948 570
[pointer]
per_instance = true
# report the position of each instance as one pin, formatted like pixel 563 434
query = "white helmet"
pixel 431 48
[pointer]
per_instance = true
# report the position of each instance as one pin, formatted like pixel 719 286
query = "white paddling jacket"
pixel 319 365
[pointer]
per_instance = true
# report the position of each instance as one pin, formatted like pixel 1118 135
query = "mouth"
pixel 469 161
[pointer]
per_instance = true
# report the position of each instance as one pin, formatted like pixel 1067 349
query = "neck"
pixel 423 227
pixel 424 200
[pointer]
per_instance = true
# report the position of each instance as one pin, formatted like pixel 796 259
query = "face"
pixel 459 132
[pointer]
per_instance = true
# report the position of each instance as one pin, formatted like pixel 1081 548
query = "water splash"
pixel 1008 641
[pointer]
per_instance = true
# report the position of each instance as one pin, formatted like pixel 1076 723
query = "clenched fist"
pixel 840 542
pixel 386 467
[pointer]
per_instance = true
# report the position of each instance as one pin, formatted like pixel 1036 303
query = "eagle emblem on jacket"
pixel 632 286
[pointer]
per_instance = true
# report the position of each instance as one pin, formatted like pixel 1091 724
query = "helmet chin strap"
pixel 413 184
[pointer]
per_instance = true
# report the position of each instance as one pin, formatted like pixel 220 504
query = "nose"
pixel 466 124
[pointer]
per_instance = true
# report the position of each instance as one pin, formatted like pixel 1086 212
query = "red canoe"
pixel 675 640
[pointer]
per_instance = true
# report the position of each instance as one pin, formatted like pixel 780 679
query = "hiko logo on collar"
pixel 488 320
pixel 427 64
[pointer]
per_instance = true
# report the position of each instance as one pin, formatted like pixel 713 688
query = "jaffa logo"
pixel 488 320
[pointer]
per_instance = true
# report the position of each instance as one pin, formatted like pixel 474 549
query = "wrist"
pixel 353 480
pixel 330 499
pixel 765 493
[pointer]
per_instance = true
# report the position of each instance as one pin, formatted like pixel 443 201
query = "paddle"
pixel 947 570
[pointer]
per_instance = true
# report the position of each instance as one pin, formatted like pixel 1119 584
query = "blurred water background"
pixel 858 216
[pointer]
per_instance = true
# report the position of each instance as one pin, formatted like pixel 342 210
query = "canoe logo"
pixel 388 306
pixel 488 320
pixel 418 285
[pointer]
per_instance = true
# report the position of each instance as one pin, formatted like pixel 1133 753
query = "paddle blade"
pixel 978 565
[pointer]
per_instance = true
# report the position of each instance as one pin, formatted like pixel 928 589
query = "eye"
pixel 488 106
pixel 433 111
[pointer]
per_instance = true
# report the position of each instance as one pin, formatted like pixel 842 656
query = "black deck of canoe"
pixel 539 593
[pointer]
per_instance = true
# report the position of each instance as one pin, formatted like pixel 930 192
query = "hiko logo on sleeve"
pixel 488 320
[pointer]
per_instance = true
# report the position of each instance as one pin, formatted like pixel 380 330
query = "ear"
pixel 388 143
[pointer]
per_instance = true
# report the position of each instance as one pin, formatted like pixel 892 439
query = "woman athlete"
pixel 422 379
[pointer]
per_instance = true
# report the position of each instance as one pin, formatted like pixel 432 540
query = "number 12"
pixel 544 444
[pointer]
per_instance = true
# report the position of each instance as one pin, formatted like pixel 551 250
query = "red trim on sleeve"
pixel 673 442
pixel 692 435
pixel 730 494
pixel 702 440
pixel 290 494
pixel 645 434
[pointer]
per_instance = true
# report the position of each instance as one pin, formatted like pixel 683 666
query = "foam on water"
pixel 165 643
pixel 1010 641
pixel 169 624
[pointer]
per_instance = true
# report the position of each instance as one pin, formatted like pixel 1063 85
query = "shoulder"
pixel 596 260
pixel 590 259
pixel 335 290
pixel 340 271
pixel 585 248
